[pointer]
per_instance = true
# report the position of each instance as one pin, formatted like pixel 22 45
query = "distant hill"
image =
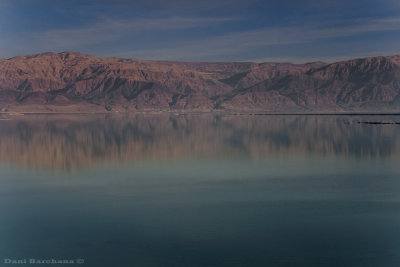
pixel 74 82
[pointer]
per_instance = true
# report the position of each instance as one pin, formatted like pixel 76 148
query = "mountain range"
pixel 75 82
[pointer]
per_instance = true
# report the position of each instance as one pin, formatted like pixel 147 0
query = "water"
pixel 200 190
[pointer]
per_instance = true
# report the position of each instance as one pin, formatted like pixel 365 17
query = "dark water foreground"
pixel 200 190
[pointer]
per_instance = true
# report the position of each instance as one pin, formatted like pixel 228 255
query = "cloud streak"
pixel 108 30
pixel 240 42
pixel 225 45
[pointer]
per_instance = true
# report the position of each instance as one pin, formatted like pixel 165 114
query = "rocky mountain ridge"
pixel 74 82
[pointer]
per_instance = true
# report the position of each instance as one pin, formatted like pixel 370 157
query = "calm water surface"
pixel 201 190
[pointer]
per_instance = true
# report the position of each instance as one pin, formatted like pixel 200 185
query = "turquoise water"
pixel 200 190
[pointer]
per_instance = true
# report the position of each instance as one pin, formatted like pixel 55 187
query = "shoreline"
pixel 239 113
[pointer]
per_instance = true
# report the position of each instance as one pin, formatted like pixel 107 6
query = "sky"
pixel 295 31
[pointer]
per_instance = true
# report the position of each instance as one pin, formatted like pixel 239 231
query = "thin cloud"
pixel 240 43
pixel 306 33
pixel 233 45
pixel 109 29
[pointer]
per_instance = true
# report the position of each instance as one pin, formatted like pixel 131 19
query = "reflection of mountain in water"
pixel 67 143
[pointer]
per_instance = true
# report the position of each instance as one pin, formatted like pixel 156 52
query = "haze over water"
pixel 201 190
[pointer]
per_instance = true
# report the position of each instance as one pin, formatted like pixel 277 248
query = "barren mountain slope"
pixel 74 82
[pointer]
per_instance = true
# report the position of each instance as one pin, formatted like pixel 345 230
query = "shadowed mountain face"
pixel 73 82
pixel 74 142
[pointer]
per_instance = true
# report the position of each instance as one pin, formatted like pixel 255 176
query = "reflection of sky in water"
pixel 234 192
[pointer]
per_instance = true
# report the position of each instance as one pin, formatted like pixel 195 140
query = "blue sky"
pixel 202 30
